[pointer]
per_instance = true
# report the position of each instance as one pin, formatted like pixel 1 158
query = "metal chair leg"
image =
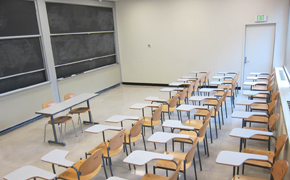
pixel 80 123
pixel 74 127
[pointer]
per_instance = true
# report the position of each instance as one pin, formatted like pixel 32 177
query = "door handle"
pixel 245 60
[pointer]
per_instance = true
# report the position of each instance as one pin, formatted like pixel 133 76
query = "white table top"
pixel 156 99
pixel 67 104
pixel 259 73
pixel 196 72
pixel 142 105
pixel 255 78
pixel 164 137
pixel 221 77
pixel 100 128
pixel 253 93
pixel 189 77
pixel 57 157
pixel 210 89
pixel 249 102
pixel 178 84
pixel 227 72
pixel 119 118
pixel 200 98
pixel 183 80
pixel 248 133
pixel 246 114
pixel 255 83
pixel 215 83
pixel 28 172
pixel 176 124
pixel 141 158
pixel 185 107
pixel 115 178
pixel 236 158
pixel 170 89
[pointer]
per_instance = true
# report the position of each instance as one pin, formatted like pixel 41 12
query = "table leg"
pixel 121 123
pixel 169 94
pixel 104 139
pixel 146 168
pixel 241 142
pixel 234 171
pixel 54 134
pixel 143 112
pixel 165 147
pixel 90 116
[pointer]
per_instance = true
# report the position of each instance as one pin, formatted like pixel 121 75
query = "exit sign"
pixel 261 18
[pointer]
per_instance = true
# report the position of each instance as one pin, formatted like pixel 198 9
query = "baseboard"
pixel 41 116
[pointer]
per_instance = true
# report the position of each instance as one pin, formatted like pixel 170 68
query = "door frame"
pixel 244 47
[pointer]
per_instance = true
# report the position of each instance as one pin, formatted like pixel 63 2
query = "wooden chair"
pixel 264 107
pixel 264 87
pixel 154 176
pixel 214 114
pixel 201 81
pixel 186 158
pixel 189 91
pixel 206 79
pixel 230 93
pixel 76 110
pixel 264 96
pixel 170 105
pixel 195 88
pixel 111 148
pixel 281 140
pixel 278 172
pixel 57 120
pixel 200 136
pixel 154 120
pixel 271 123
pixel 85 169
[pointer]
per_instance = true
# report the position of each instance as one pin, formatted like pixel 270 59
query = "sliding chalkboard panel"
pixel 19 56
pixel 25 80
pixel 65 71
pixel 17 17
pixel 72 48
pixel 67 18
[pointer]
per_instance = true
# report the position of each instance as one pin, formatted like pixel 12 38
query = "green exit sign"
pixel 261 18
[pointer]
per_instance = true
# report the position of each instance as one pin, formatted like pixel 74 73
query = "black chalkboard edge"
pixel 89 71
pixel 74 33
pixel 24 89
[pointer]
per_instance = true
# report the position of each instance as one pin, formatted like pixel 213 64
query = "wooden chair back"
pixel 117 141
pixel 218 106
pixel 92 163
pixel 225 86
pixel 206 76
pixel 279 169
pixel 190 154
pixel 270 85
pixel 272 106
pixel 190 89
pixel 68 96
pixel 274 95
pixel 195 87
pixel 157 113
pixel 48 104
pixel 203 128
pixel 225 95
pixel 233 87
pixel 137 128
pixel 183 95
pixel 173 101
pixel 272 120
pixel 281 140
pixel 202 79
pixel 176 172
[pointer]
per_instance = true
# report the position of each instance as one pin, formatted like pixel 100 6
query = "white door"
pixel 259 49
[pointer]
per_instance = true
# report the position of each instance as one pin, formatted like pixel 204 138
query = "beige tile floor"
pixel 25 145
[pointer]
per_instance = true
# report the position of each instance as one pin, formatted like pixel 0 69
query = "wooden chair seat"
pixel 104 146
pixel 193 136
pixel 260 88
pixel 147 121
pixel 211 102
pixel 71 174
pixel 79 110
pixel 171 165
pixel 204 113
pixel 221 93
pixel 258 119
pixel 133 139
pixel 257 106
pixel 165 108
pixel 61 120
pixel 270 155
pixel 149 176
pixel 197 124
pixel 241 177
pixel 261 96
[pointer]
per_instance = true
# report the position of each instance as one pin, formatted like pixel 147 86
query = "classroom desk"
pixel 29 172
pixel 142 106
pixel 254 93
pixel 188 108
pixel 197 72
pixel 57 157
pixel 256 78
pixel 259 73
pixel 121 118
pixel 189 77
pixel 170 90
pixel 55 109
pixel 179 84
pixel 200 98
pixel 221 77
pixel 164 137
pixel 183 80
pixel 248 103
pixel 255 83
pixel 209 90
pixel 176 124
pixel 246 114
pixel 141 158
pixel 235 159
pixel 227 72
pixel 155 99
pixel 99 128
pixel 247 134
pixel 215 83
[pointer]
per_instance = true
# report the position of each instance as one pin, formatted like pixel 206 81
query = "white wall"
pixel 190 35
